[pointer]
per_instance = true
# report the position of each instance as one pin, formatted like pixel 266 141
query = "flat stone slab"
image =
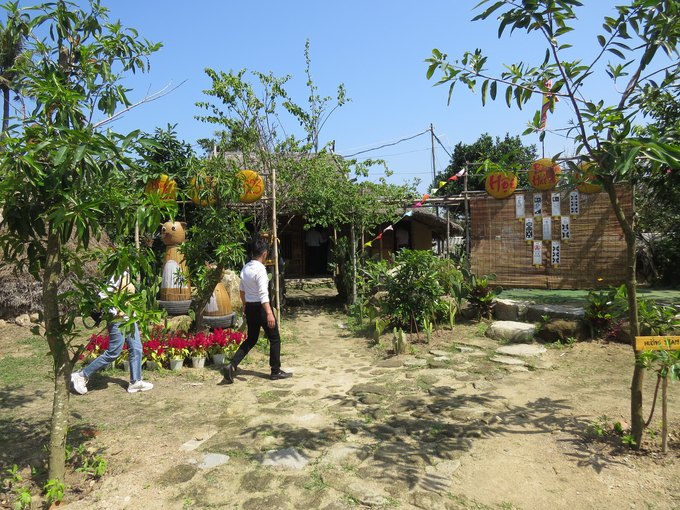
pixel 213 460
pixel 437 353
pixel 442 358
pixel 390 363
pixel 359 389
pixel 415 362
pixel 516 332
pixel 505 360
pixel 192 444
pixel 510 310
pixel 481 343
pixel 521 350
pixel 341 454
pixel 465 349
pixel 288 458
pixel 535 313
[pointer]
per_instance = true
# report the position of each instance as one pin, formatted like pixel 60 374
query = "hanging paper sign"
pixel 556 209
pixel 519 206
pixel 566 231
pixel 538 205
pixel 196 193
pixel 165 187
pixel 555 255
pixel 544 174
pixel 529 229
pixel 547 228
pixel 584 181
pixel 538 253
pixel 254 186
pixel 500 185
pixel 573 203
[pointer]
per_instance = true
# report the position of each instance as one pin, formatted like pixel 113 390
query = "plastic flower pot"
pixel 176 364
pixel 152 365
pixel 198 362
pixel 218 359
pixel 126 365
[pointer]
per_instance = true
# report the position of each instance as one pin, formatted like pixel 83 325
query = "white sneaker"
pixel 79 382
pixel 139 386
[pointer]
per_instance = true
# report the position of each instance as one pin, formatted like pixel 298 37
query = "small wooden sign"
pixel 655 343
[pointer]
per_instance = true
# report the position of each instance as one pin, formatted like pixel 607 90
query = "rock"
pixel 3 323
pixel 178 474
pixel 366 496
pixel 448 467
pixel 341 454
pixel 439 364
pixel 406 404
pixel 516 332
pixel 435 352
pixel 442 358
pixel 622 334
pixel 542 365
pixel 415 362
pixel 465 349
pixel 508 310
pixel 482 386
pixel 429 378
pixel 390 363
pixel 468 311
pixel 521 350
pixel 469 414
pixel 428 500
pixel 288 458
pixel 453 449
pixel 561 329
pixel 370 399
pixel 213 460
pixel 359 389
pixel 23 320
pixel 231 281
pixel 179 323
pixel 35 318
pixel 273 502
pixel 504 360
pixel 535 313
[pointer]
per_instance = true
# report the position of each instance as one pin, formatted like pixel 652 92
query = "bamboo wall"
pixel 594 257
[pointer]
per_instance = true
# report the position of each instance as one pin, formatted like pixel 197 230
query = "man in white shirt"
pixel 254 290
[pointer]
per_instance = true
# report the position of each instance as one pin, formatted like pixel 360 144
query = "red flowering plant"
pixel 154 350
pixel 97 345
pixel 225 342
pixel 199 345
pixel 177 347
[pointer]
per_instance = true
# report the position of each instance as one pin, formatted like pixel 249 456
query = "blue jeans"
pixel 116 341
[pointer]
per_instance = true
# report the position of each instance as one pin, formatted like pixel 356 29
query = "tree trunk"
pixel 62 362
pixel 198 304
pixel 353 254
pixel 5 110
pixel 664 415
pixel 637 419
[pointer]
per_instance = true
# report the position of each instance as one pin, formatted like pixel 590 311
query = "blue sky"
pixel 376 48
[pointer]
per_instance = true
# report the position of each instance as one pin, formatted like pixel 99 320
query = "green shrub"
pixel 449 276
pixel 414 292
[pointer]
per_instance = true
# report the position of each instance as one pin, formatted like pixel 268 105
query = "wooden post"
pixel 276 246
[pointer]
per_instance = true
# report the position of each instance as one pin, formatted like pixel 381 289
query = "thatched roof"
pixel 436 223
pixel 21 293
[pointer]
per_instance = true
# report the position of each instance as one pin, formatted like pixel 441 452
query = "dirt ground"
pixel 443 430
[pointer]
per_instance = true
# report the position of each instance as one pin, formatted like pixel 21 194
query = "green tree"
pixel 56 166
pixel 12 45
pixel 642 34
pixel 509 149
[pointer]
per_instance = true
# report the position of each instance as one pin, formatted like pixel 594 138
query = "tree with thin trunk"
pixel 644 35
pixel 57 165
pixel 12 45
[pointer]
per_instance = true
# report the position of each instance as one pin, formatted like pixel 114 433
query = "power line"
pixel 386 145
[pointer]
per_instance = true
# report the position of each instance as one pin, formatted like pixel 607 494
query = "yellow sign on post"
pixel 656 343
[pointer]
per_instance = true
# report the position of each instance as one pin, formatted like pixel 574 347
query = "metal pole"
pixel 448 232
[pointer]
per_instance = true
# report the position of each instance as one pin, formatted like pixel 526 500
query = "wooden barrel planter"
pixel 175 298
pixel 218 312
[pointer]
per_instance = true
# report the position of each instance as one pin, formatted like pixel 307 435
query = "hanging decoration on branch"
pixel 164 186
pixel 501 184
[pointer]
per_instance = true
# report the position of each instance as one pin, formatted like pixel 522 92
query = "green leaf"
pixel 485 88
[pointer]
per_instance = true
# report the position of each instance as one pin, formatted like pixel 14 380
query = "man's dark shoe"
pixel 228 373
pixel 281 375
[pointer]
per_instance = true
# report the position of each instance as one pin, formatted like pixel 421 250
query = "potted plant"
pixel 124 358
pixel 177 348
pixel 154 353
pixel 97 345
pixel 198 349
pixel 219 345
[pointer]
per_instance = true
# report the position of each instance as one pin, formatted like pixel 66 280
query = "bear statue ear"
pixel 184 224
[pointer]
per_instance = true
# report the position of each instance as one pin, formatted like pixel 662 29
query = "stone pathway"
pixel 348 429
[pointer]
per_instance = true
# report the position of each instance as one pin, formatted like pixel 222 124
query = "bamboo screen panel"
pixel 594 257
